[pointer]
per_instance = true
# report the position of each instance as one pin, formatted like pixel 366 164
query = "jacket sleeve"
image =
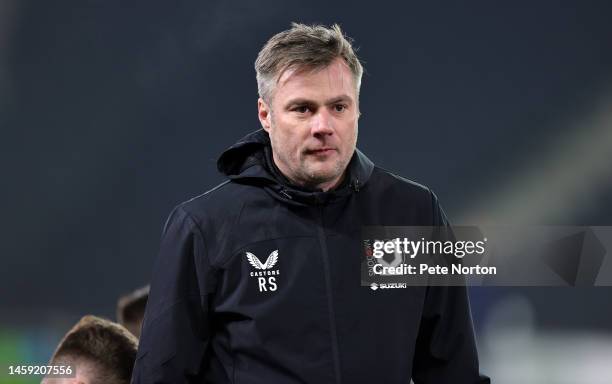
pixel 176 328
pixel 446 347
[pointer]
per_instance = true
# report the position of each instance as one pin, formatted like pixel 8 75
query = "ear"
pixel 264 113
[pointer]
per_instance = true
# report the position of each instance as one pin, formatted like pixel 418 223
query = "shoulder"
pixel 220 201
pixel 211 215
pixel 217 210
pixel 406 195
pixel 389 182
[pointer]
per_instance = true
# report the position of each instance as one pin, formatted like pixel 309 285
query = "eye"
pixel 340 107
pixel 301 109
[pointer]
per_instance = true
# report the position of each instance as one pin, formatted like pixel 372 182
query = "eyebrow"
pixel 302 101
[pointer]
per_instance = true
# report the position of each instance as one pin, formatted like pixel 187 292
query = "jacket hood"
pixel 245 162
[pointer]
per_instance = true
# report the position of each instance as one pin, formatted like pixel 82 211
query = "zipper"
pixel 330 303
pixel 286 194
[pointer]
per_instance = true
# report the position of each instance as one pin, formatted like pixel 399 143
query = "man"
pixel 98 351
pixel 257 280
pixel 131 309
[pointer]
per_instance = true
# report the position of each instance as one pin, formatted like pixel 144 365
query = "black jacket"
pixel 258 281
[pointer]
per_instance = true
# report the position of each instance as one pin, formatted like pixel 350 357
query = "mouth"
pixel 320 151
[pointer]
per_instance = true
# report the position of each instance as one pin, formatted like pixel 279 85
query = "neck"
pixel 333 184
pixel 324 186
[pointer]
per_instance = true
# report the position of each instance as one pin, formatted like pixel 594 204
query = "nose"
pixel 322 123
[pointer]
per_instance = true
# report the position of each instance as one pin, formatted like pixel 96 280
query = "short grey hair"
pixel 303 46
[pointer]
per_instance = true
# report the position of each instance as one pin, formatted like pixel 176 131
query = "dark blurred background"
pixel 113 112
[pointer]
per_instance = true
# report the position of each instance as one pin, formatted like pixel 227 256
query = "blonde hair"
pixel 303 46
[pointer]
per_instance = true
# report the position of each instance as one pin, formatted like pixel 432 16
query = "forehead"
pixel 324 83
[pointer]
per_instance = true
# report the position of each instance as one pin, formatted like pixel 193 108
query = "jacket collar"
pixel 248 161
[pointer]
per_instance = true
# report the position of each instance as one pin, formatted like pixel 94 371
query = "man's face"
pixel 313 124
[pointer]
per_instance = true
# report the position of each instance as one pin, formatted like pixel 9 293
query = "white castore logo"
pixel 266 276
pixel 270 261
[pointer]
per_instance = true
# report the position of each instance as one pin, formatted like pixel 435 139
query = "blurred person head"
pixel 308 79
pixel 100 352
pixel 131 309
